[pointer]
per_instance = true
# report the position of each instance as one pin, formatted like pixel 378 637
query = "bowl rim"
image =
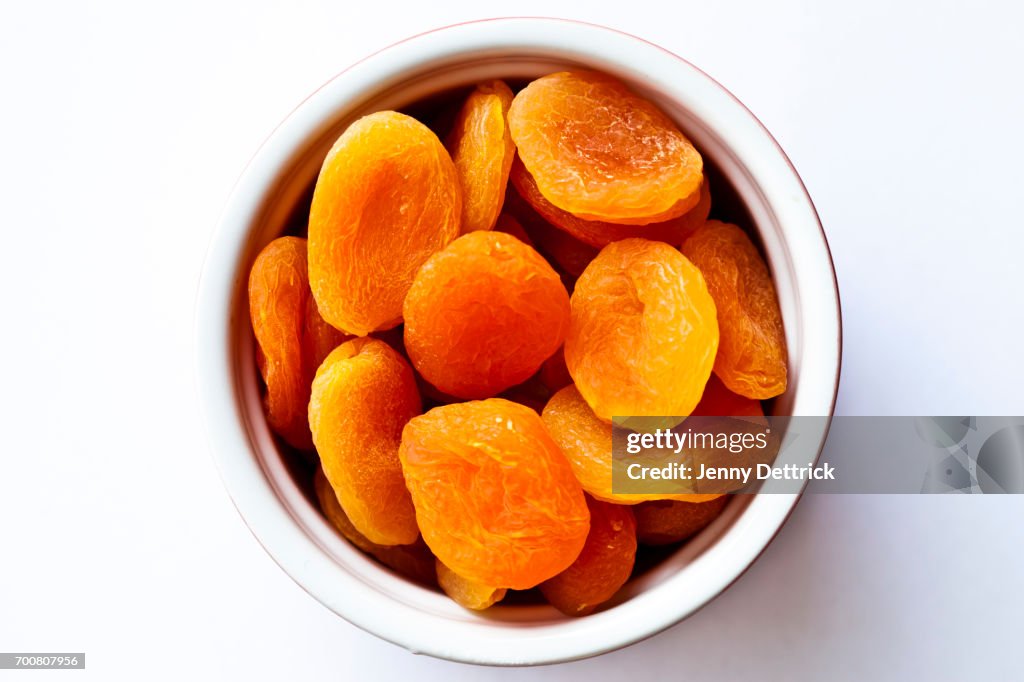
pixel 304 557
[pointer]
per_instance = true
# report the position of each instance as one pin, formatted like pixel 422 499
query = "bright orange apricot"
pixel 387 198
pixel 644 332
pixel 751 359
pixel 363 395
pixel 482 149
pixel 601 152
pixel 495 498
pixel 483 314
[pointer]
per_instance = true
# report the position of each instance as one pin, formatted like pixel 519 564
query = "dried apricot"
pixel 289 335
pixel 663 522
pixel 586 442
pixel 495 499
pixel 414 561
pixel 467 593
pixel 482 149
pixel 483 314
pixel 751 359
pixel 597 233
pixel 387 198
pixel 601 152
pixel 363 395
pixel 643 334
pixel 603 566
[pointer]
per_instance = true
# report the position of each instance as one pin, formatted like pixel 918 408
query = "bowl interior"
pixel 431 97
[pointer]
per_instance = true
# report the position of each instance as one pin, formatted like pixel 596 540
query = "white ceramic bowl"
pixel 272 191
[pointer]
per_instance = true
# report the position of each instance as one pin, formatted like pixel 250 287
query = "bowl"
pixel 755 184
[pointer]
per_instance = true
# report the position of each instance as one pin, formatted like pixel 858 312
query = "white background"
pixel 123 129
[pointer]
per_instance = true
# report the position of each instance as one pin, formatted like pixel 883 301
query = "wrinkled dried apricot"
pixel 751 358
pixel 278 289
pixel 586 441
pixel 483 314
pixel 482 149
pixel 289 334
pixel 363 395
pixel 414 561
pixel 597 233
pixel 387 198
pixel 603 566
pixel 467 593
pixel 643 334
pixel 495 498
pixel 663 522
pixel 601 152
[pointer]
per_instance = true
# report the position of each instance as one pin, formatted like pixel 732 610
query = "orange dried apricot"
pixel 643 334
pixel 601 152
pixel 603 566
pixel 495 498
pixel 413 561
pixel 483 314
pixel 289 335
pixel 663 522
pixel 751 358
pixel 363 395
pixel 387 198
pixel 482 149
pixel 467 593
pixel 597 233
pixel 586 442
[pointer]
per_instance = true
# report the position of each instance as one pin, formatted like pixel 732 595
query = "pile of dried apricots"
pixel 439 275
